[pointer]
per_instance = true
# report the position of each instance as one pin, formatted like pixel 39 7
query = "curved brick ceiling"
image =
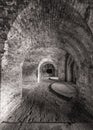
pixel 9 10
pixel 45 25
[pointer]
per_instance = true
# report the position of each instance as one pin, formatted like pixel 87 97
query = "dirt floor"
pixel 43 110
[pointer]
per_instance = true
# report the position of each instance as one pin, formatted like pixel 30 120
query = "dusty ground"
pixel 40 105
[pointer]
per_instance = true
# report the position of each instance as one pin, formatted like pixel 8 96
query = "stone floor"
pixel 43 110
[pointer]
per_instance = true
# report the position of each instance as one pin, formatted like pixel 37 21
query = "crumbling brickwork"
pixel 32 30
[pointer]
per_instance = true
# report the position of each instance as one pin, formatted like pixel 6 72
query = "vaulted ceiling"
pixel 50 23
pixel 37 29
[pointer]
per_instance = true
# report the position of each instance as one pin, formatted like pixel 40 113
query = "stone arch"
pixel 47 70
pixel 24 18
pixel 44 62
pixel 21 35
pixel 25 31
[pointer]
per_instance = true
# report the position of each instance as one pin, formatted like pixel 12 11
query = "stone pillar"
pixel 75 73
pixel 11 92
pixel 1 54
pixel 69 62
pixel 61 69
pixel 68 73
pixel 39 75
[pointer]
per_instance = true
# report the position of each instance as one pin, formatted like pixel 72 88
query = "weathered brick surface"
pixel 26 25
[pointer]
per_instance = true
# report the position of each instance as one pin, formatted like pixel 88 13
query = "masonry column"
pixel 61 69
pixel 69 74
pixel 1 54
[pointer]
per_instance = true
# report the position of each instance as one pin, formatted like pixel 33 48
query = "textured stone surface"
pixel 40 105
pixel 34 57
pixel 36 106
pixel 29 28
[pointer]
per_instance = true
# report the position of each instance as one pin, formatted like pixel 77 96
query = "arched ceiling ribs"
pixel 26 40
pixel 61 46
pixel 73 47
pixel 74 44
pixel 41 49
pixel 73 13
pixel 46 61
pixel 83 11
pixel 66 47
pixel 69 60
pixel 73 53
pixel 76 32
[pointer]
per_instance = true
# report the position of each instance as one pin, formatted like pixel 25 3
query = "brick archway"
pixel 39 25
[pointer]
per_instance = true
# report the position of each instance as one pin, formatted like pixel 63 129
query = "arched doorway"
pixel 48 70
pixel 24 34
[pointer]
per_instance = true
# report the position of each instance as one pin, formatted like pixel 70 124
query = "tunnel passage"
pixel 48 70
pixel 47 25
pixel 42 61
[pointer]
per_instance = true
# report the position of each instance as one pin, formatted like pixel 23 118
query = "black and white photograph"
pixel 46 64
